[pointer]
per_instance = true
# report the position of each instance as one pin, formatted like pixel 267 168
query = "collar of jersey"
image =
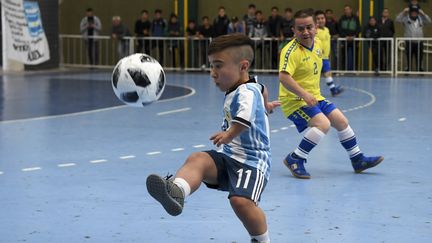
pixel 310 49
pixel 251 80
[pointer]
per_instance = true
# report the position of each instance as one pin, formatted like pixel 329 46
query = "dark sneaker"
pixel 166 193
pixel 336 91
pixel 296 166
pixel 362 162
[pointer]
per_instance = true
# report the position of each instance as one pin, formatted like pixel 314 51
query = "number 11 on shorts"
pixel 240 177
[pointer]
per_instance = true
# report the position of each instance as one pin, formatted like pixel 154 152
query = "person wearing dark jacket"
pixel 220 23
pixel 142 29
pixel 274 24
pixel 387 30
pixel 349 28
pixel 372 31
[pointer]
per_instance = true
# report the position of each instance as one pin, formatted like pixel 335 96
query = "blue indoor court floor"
pixel 73 164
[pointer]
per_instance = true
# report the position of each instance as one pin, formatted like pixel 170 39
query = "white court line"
pixel 177 149
pixel 292 125
pixel 127 157
pixel 97 110
pixel 284 128
pixel 402 119
pixel 173 111
pixel 153 153
pixel 96 161
pixel 66 165
pixel 1 173
pixel 199 146
pixel 274 130
pixel 31 169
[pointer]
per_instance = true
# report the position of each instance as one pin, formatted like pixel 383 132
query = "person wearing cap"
pixel 413 19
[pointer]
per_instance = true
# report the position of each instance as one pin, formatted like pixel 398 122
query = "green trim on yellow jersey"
pixel 304 66
pixel 323 34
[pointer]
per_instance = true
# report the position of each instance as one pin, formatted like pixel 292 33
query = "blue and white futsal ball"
pixel 138 80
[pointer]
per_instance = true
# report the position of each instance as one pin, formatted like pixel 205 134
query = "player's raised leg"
pixel 347 138
pixel 171 192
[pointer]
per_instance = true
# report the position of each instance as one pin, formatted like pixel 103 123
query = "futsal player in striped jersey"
pixel 242 166
pixel 302 102
pixel 323 34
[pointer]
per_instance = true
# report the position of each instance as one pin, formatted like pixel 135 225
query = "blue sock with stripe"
pixel 311 138
pixel 348 140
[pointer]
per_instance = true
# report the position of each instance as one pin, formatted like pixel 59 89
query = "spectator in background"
pixel 220 23
pixel 387 30
pixel 413 19
pixel 158 29
pixel 90 27
pixel 286 31
pixel 192 36
pixel 142 29
pixel 118 32
pixel 175 46
pixel 332 25
pixel 249 19
pixel 260 30
pixel 274 23
pixel 235 26
pixel 349 28
pixel 205 31
pixel 371 30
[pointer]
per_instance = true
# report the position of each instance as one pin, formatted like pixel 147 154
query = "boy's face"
pixel 224 70
pixel 304 30
pixel 321 20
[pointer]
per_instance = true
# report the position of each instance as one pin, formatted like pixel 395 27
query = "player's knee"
pixel 324 125
pixel 240 203
pixel 196 157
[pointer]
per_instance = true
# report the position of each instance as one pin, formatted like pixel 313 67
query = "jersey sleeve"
pixel 288 61
pixel 244 108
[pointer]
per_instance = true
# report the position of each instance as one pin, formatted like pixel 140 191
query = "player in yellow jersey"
pixel 323 34
pixel 302 102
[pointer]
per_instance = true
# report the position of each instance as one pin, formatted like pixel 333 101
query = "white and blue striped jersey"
pixel 245 105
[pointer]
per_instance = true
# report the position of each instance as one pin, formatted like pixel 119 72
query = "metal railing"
pixel 413 56
pixel 357 56
pixel 365 55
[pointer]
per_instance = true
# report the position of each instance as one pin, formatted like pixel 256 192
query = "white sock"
pixel 329 82
pixel 264 238
pixel 184 185
pixel 311 138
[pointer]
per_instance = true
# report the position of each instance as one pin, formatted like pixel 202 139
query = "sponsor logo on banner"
pixel 24 35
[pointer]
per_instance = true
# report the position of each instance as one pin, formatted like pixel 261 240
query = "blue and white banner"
pixel 23 33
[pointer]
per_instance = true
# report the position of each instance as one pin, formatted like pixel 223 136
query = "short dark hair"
pixel 275 8
pixel 158 11
pixel 89 10
pixel 289 10
pixel 144 11
pixel 251 5
pixel 223 42
pixel 319 12
pixel 304 13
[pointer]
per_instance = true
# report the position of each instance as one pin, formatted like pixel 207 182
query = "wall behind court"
pixel 72 11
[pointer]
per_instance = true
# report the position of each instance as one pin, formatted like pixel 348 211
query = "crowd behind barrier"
pixel 358 56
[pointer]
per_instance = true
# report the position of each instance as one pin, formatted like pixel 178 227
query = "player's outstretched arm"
pixel 226 137
pixel 289 83
pixel 269 105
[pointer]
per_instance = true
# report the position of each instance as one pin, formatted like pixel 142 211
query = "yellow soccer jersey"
pixel 304 65
pixel 324 36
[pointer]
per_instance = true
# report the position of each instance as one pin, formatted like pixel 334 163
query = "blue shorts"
pixel 237 178
pixel 326 66
pixel 302 116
